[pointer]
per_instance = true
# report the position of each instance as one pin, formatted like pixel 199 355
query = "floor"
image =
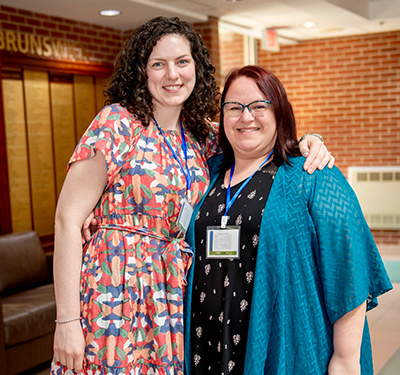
pixel 384 322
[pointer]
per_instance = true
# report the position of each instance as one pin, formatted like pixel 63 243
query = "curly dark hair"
pixel 286 142
pixel 128 83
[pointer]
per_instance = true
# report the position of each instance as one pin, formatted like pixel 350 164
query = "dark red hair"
pixel 286 140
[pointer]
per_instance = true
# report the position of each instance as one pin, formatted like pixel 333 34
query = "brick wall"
pixel 231 51
pixel 347 89
pixel 209 32
pixel 388 237
pixel 101 43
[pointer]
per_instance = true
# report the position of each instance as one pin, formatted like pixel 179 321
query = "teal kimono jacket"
pixel 316 261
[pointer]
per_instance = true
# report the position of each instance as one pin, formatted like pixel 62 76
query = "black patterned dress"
pixel 222 289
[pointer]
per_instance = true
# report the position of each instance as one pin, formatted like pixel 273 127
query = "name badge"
pixel 184 216
pixel 223 242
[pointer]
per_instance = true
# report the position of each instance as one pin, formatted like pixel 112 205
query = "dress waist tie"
pixel 174 248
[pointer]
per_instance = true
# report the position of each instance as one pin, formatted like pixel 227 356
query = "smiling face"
pixel 171 73
pixel 250 137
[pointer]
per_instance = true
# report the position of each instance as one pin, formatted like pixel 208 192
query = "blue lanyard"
pixel 230 201
pixel 187 173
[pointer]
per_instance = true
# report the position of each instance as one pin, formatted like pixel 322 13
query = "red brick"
pixel 78 30
pixel 72 36
pixel 25 12
pixel 49 25
pixel 92 48
pixel 43 16
pixel 17 19
pixel 95 33
pixel 85 39
pixel 71 22
pixel 57 34
pixel 9 26
pixel 85 24
pixel 111 57
pixel 8 9
pixel 25 29
pixel 33 22
pixel 42 32
pixel 57 19
pixel 65 28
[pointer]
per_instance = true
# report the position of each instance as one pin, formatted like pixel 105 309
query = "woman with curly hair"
pixel 143 164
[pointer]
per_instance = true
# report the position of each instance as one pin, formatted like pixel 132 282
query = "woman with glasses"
pixel 285 266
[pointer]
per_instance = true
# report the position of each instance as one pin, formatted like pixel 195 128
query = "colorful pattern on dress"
pixel 134 268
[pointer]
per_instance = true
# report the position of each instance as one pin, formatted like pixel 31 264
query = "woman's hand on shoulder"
pixel 316 154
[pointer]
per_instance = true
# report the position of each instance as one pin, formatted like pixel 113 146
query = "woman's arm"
pixel 82 189
pixel 347 337
pixel 315 152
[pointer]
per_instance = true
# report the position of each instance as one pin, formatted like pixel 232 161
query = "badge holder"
pixel 223 241
pixel 185 215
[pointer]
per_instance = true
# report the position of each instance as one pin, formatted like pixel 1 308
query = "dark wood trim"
pixel 47 242
pixel 5 207
pixel 73 67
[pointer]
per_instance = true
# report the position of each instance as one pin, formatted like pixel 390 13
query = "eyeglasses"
pixel 257 108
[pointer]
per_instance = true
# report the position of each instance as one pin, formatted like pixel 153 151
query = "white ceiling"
pixel 334 18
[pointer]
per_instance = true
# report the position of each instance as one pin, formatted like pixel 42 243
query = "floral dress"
pixel 134 267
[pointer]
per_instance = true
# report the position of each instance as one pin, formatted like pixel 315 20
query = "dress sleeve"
pixel 349 262
pixel 210 146
pixel 110 133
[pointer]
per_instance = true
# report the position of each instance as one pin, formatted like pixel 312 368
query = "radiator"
pixel 378 190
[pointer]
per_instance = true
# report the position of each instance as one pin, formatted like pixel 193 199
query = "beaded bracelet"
pixel 319 136
pixel 67 321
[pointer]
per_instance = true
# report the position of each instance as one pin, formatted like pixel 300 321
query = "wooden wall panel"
pixel 41 164
pixel 85 103
pixel 64 134
pixel 17 152
pixel 100 98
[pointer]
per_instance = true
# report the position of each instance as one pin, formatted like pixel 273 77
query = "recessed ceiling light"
pixel 110 13
pixel 310 24
pixel 231 1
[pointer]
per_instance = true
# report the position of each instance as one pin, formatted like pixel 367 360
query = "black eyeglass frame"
pixel 243 106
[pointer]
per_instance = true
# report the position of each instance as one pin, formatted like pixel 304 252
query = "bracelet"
pixel 67 321
pixel 319 136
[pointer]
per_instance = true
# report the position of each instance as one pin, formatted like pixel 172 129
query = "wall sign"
pixel 269 41
pixel 42 46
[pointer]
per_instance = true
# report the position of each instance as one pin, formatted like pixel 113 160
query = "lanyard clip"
pixel 224 221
